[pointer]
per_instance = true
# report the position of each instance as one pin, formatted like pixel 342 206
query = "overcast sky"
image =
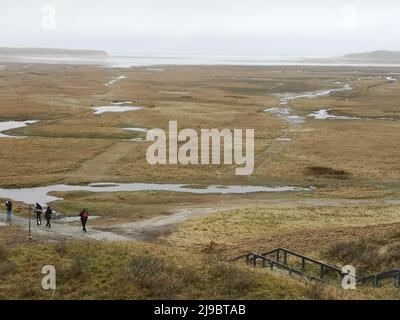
pixel 204 27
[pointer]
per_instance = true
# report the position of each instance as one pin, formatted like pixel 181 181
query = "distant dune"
pixel 51 55
pixel 368 58
pixel 4 51
pixel 379 56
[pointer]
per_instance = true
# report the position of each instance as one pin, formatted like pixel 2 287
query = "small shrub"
pixel 154 275
pixel 210 248
pixel 366 254
pixel 324 172
pixel 392 256
pixel 27 291
pixel 61 248
pixel 229 279
pixel 316 290
pixel 7 267
pixel 3 254
pixel 74 271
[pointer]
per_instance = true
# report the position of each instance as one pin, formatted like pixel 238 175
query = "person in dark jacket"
pixel 9 210
pixel 38 213
pixel 84 218
pixel 47 215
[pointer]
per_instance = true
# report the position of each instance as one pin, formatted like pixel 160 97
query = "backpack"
pixel 85 215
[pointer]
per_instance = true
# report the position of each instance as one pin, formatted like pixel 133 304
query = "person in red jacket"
pixel 84 218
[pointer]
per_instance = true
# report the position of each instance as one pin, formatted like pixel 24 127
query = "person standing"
pixel 38 212
pixel 9 210
pixel 84 218
pixel 47 215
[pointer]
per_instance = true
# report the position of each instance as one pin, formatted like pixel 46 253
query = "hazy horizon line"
pixel 129 53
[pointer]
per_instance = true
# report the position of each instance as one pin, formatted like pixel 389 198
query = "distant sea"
pixel 120 61
pixel 125 61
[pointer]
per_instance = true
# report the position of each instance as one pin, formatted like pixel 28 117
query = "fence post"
pixel 375 282
pixel 30 225
pixel 263 263
pixel 322 272
pixel 303 264
pixel 397 280
pixel 277 255
pixel 284 257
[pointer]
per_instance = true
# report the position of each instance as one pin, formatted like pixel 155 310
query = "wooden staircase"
pixel 311 269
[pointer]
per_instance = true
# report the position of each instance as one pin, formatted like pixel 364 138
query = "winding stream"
pixel 286 113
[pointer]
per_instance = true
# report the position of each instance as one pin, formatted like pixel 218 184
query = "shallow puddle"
pixel 9 125
pixel 114 80
pixel 136 129
pixel 285 114
pixel 114 108
pixel 325 114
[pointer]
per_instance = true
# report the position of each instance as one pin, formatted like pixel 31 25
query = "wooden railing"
pixel 278 258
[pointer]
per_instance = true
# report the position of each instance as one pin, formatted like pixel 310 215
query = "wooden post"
pixel 322 272
pixel 30 225
pixel 375 282
pixel 277 255
pixel 303 264
pixel 397 280
pixel 284 257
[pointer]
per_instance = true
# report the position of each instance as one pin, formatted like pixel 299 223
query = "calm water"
pixel 9 125
pixel 41 194
pixel 114 108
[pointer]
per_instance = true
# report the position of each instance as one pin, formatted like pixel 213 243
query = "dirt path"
pixel 148 229
pixel 62 231
pixel 101 166
pixel 151 229
pixel 277 146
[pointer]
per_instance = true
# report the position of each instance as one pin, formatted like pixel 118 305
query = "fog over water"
pixel 288 28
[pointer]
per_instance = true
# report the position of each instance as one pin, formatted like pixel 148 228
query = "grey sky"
pixel 214 27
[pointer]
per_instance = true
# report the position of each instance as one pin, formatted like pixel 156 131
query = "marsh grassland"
pixel 352 215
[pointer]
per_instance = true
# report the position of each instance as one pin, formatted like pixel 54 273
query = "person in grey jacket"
pixel 38 213
pixel 9 210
